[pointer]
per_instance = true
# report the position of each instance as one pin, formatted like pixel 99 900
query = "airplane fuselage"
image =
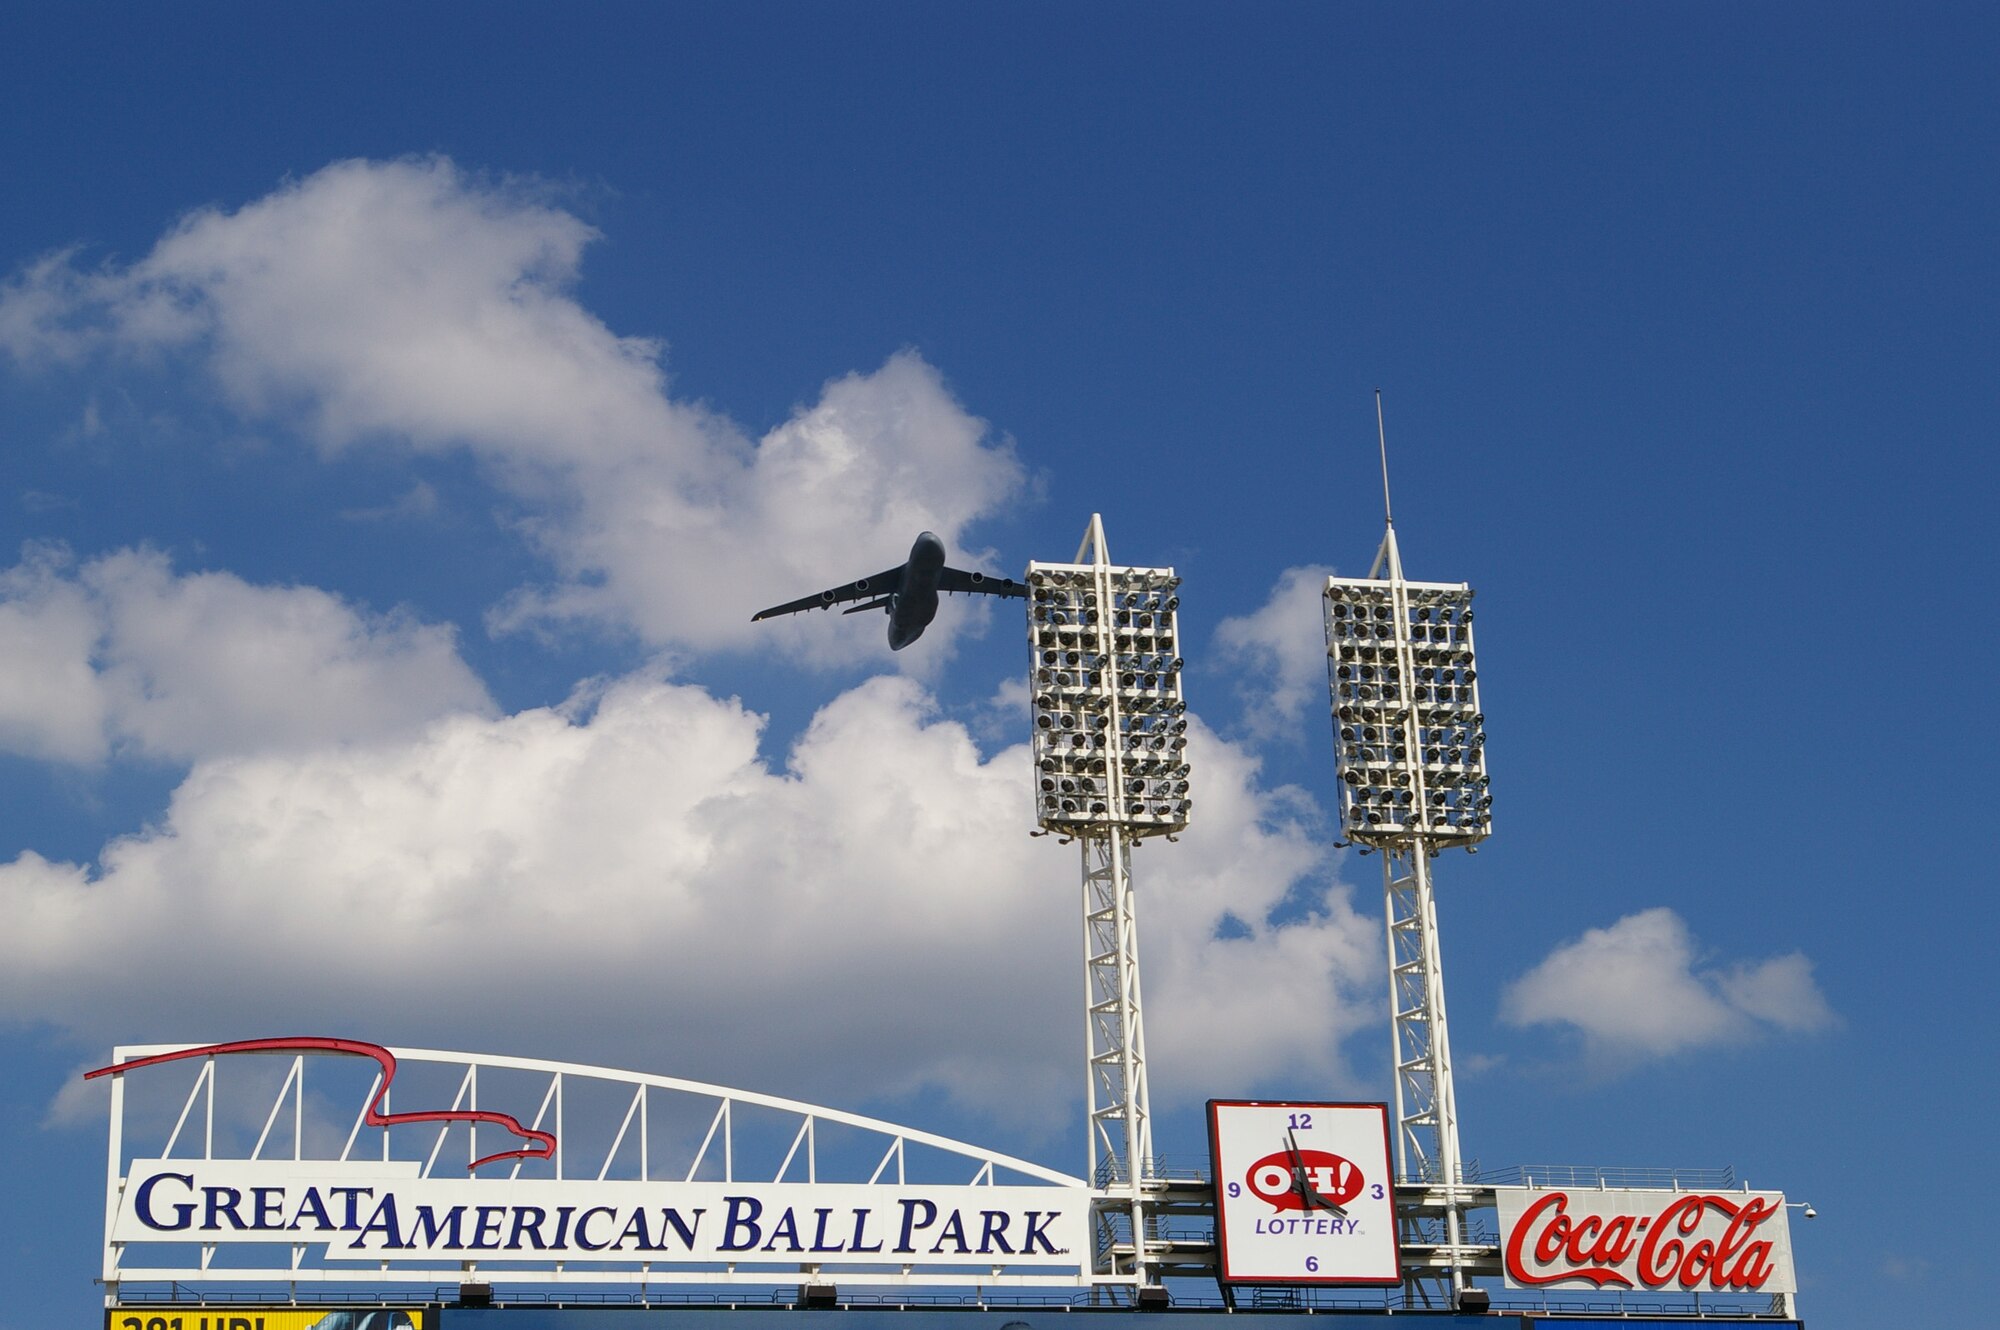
pixel 907 593
pixel 915 604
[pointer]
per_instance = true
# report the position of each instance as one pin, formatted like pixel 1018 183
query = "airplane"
pixel 908 593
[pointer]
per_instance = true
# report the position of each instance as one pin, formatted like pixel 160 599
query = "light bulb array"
pixel 1109 723
pixel 1409 736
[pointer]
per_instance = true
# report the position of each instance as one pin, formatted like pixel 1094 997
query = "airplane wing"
pixel 839 595
pixel 957 579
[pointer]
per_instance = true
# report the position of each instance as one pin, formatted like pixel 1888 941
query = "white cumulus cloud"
pixel 408 304
pixel 630 882
pixel 362 845
pixel 1278 653
pixel 1636 989
pixel 124 654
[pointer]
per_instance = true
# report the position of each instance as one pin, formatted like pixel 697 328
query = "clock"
pixel 1303 1193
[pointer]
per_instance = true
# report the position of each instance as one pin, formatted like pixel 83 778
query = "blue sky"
pixel 403 412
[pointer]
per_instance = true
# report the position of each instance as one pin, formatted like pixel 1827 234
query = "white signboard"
pixel 1661 1241
pixel 1303 1193
pixel 382 1211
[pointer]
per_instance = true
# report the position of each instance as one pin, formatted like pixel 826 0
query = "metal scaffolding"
pixel 1121 1127
pixel 1110 739
pixel 1411 747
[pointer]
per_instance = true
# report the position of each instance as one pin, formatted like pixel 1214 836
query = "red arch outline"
pixel 543 1144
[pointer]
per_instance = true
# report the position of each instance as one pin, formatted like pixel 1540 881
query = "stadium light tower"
pixel 1411 747
pixel 1110 752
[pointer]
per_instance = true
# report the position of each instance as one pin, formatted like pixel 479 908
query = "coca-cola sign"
pixel 1647 1241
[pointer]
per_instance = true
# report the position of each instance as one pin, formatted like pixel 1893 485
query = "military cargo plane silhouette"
pixel 907 593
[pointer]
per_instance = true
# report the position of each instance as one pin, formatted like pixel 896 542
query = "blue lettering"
pixel 860 1230
pixel 993 1231
pixel 563 1212
pixel 635 1228
pixel 486 1229
pixel 954 1233
pixel 384 1221
pixel 214 1207
pixel 819 1232
pixel 267 1207
pixel 672 1217
pixel 743 1212
pixel 313 1204
pixel 353 1195
pixel 142 1204
pixel 911 1223
pixel 583 1227
pixel 524 1225
pixel 427 1228
pixel 788 1229
pixel 1038 1232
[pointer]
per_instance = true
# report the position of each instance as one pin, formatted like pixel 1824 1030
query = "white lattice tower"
pixel 1110 757
pixel 1426 1110
pixel 1408 733
pixel 1121 1127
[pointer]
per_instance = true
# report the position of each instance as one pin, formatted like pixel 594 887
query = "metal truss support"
pixel 614 1127
pixel 1110 741
pixel 1121 1127
pixel 1426 1108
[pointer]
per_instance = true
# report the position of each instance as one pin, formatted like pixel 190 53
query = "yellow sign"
pixel 271 1318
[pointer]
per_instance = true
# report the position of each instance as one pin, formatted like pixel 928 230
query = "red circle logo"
pixel 1284 1179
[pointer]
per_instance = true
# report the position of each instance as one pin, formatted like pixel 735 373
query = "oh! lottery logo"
pixel 1276 1179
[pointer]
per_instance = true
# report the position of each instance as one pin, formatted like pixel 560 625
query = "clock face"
pixel 1303 1193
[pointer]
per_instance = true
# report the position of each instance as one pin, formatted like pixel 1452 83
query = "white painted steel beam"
pixel 1109 741
pixel 1409 740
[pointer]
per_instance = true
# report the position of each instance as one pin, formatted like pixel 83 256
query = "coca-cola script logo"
pixel 1548 1246
pixel 1275 1178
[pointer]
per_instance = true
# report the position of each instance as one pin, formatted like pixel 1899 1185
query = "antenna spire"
pixel 1388 557
pixel 1382 437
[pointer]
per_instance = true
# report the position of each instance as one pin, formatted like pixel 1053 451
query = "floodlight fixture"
pixel 1109 725
pixel 1409 733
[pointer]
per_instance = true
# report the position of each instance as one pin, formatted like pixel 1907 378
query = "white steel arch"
pixel 654 1140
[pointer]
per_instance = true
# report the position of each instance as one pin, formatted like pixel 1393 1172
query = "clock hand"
pixel 1302 1183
